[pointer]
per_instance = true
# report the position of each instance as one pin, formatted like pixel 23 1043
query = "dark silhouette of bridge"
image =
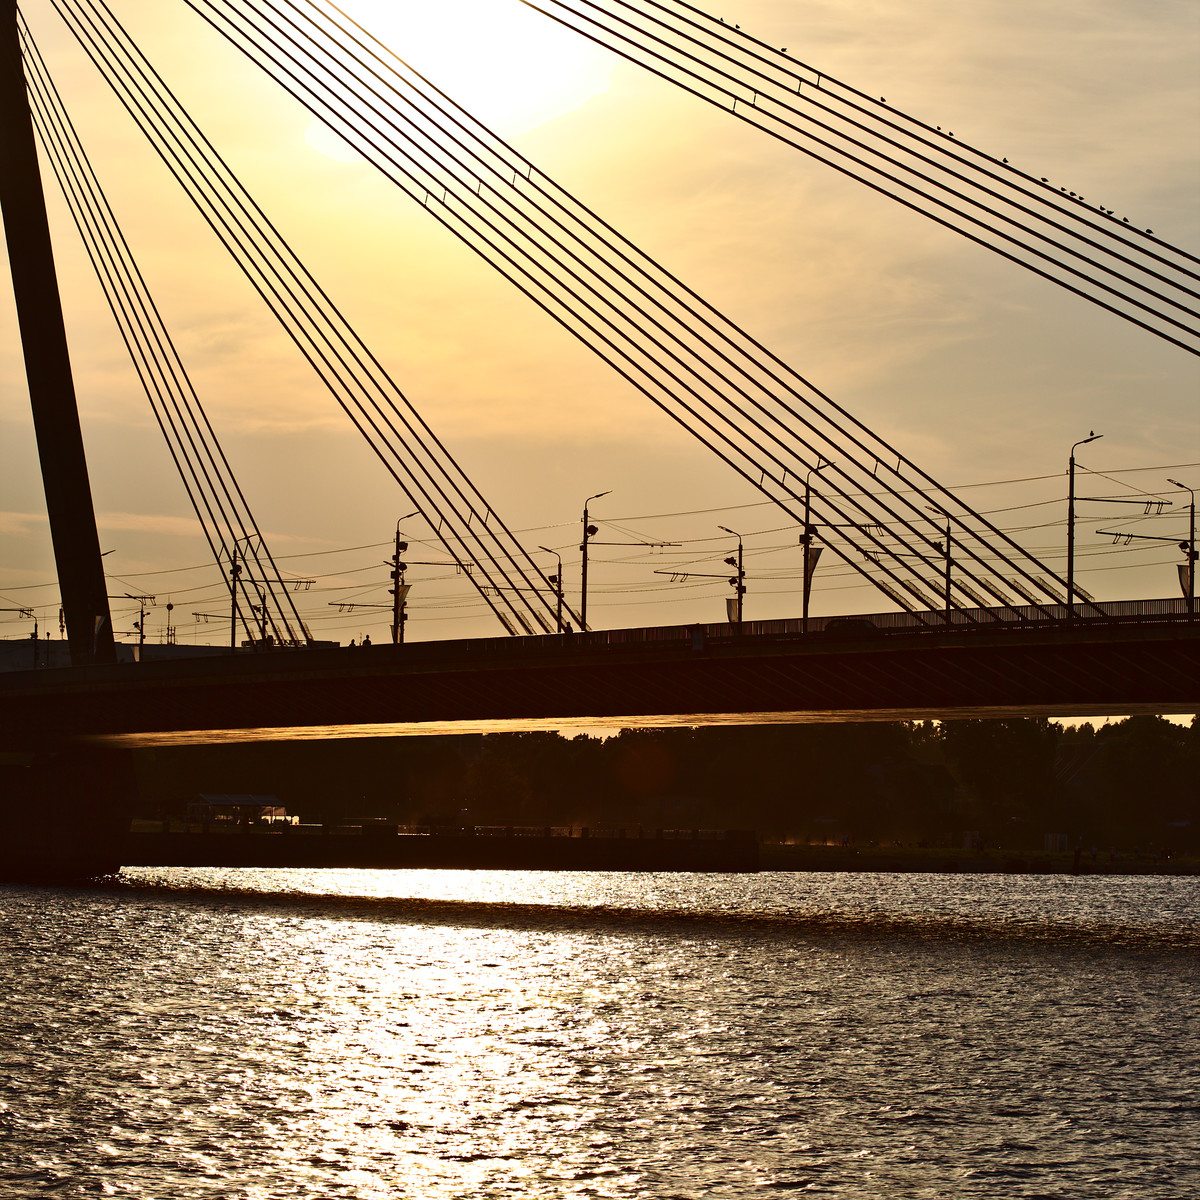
pixel 1139 657
pixel 857 498
pixel 984 626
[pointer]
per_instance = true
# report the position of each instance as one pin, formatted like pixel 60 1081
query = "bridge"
pixel 1136 657
pixel 976 623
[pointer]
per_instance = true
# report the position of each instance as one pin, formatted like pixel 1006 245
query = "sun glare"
pixel 506 64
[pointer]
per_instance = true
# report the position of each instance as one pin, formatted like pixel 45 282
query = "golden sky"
pixel 979 371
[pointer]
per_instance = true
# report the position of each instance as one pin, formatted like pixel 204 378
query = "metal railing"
pixel 1001 619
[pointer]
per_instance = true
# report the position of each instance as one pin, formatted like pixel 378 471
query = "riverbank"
pixel 386 846
pixel 776 857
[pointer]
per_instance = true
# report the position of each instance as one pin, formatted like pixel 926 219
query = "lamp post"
pixel 1191 548
pixel 399 589
pixel 261 609
pixel 589 531
pixel 1092 437
pixel 739 581
pixel 235 572
pixel 557 580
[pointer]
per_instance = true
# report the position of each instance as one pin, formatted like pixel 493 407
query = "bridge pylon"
pixel 48 365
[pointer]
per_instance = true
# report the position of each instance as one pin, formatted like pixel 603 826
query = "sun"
pixel 509 66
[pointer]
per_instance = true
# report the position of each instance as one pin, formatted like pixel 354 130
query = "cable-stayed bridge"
pixel 858 498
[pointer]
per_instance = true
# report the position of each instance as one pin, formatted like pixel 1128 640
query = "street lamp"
pixel 235 573
pixel 557 580
pixel 1092 437
pixel 1191 548
pixel 739 580
pixel 399 589
pixel 261 610
pixel 588 532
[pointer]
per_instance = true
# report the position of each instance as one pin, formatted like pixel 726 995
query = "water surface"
pixel 261 1034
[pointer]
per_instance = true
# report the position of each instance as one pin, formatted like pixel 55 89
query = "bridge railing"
pixel 967 620
pixel 1015 619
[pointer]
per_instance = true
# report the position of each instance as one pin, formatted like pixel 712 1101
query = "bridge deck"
pixel 854 669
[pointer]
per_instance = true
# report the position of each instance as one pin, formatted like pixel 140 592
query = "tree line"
pixel 1134 782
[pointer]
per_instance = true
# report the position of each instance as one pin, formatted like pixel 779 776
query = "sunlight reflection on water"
pixel 477 1034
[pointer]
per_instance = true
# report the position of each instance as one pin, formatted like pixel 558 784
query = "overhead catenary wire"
pixel 125 577
pixel 671 514
pixel 688 587
pixel 468 608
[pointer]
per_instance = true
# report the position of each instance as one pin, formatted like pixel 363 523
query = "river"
pixel 177 1034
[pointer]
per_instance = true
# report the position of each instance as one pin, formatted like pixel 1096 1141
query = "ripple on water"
pixel 454 1034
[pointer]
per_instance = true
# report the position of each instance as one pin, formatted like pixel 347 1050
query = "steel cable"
pixel 422 193
pixel 425 190
pixel 218 501
pixel 645 34
pixel 462 520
